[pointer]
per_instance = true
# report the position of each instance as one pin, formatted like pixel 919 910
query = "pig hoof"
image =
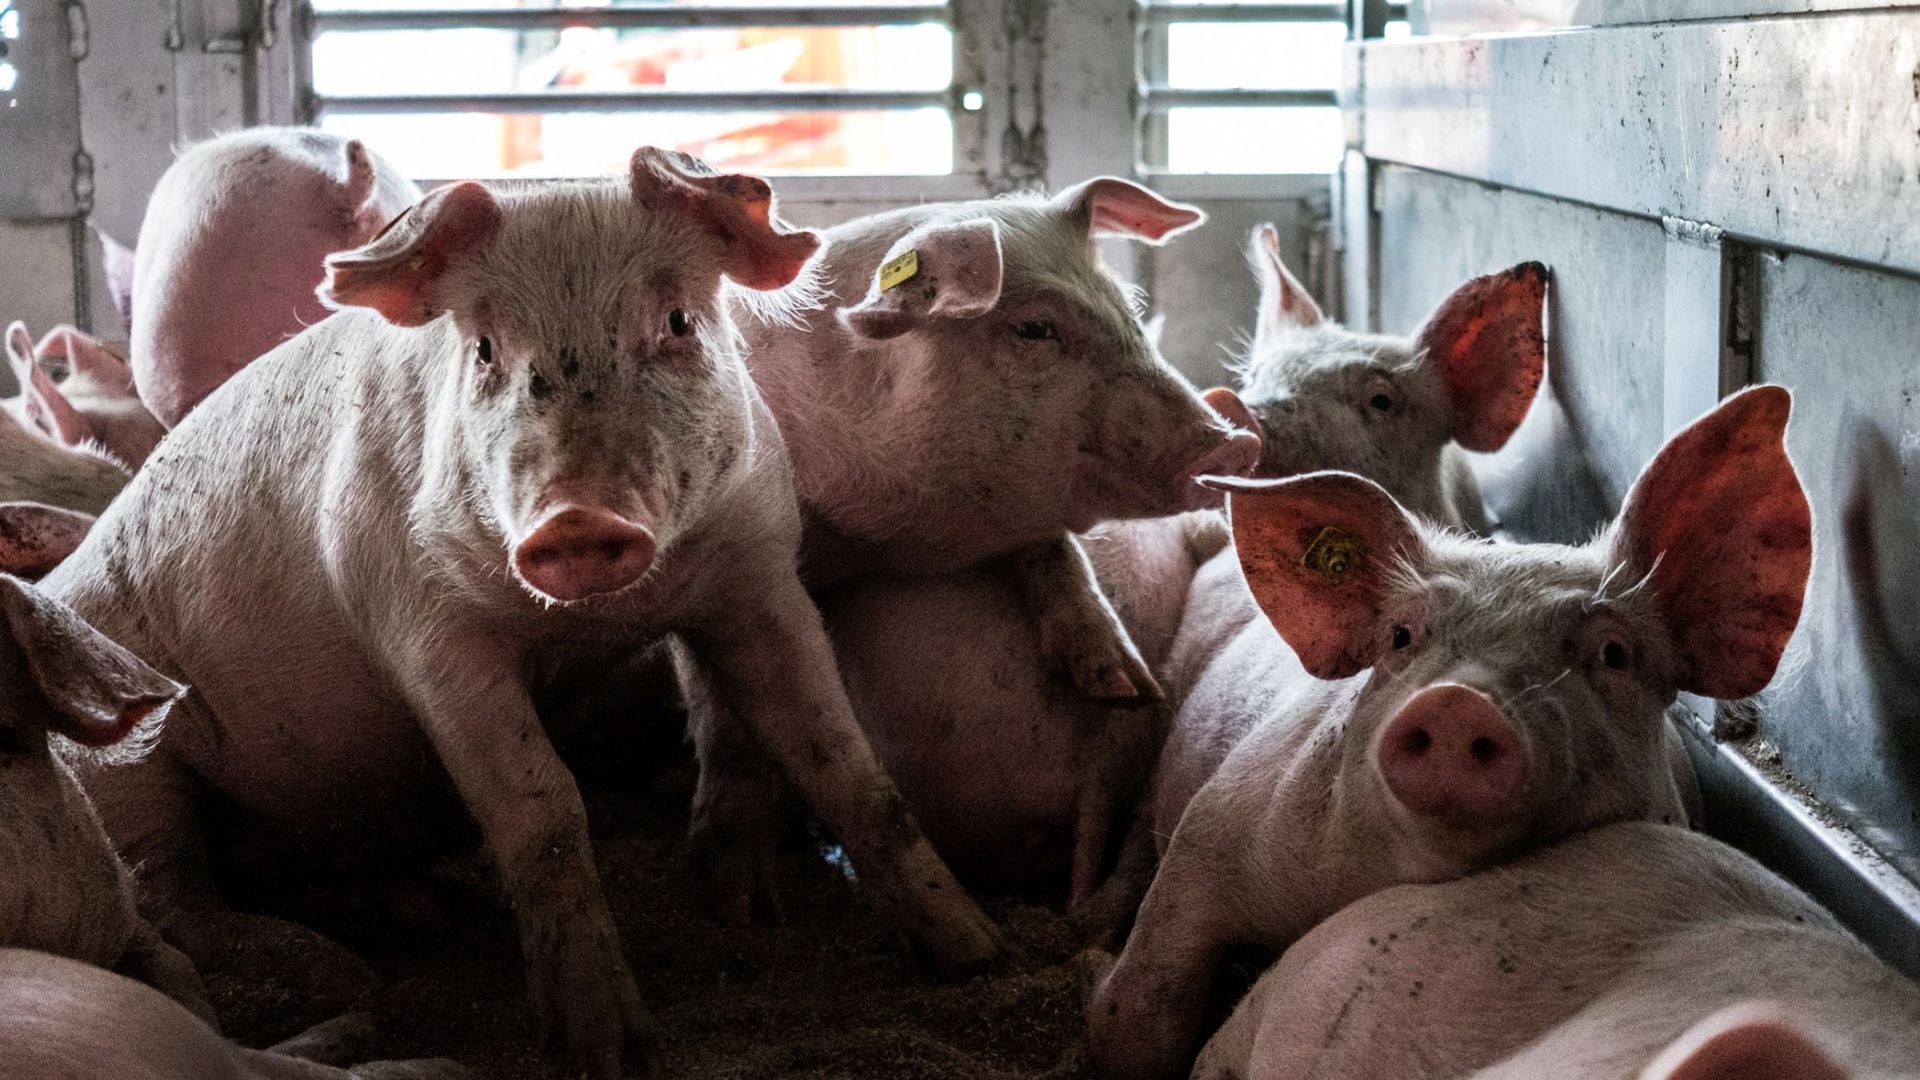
pixel 581 990
pixel 1116 682
pixel 963 951
pixel 738 875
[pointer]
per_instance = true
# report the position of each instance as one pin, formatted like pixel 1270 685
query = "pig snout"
pixel 1236 455
pixel 1452 754
pixel 579 551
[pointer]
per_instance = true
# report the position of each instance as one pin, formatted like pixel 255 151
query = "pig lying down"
pixel 1423 705
pixel 1018 779
pixel 234 242
pixel 1632 950
pixel 61 1020
pixel 526 444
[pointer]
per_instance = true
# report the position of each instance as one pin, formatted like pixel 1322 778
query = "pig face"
pixel 1009 315
pixel 1516 692
pixel 602 398
pixel 1385 407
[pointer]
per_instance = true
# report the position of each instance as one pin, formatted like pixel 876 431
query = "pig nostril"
pixel 1484 750
pixel 1416 742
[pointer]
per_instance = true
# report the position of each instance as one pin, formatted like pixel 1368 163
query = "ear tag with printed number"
pixel 1334 554
pixel 900 268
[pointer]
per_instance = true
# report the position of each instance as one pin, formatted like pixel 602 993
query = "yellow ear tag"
pixel 1334 554
pixel 900 268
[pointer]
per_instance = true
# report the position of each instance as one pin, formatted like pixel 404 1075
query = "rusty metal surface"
pixel 1792 132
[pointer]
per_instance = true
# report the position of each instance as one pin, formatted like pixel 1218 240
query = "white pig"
pixel 526 443
pixel 62 889
pixel 233 244
pixel 94 406
pixel 974 386
pixel 62 1020
pixel 1016 777
pixel 1423 704
pixel 1631 950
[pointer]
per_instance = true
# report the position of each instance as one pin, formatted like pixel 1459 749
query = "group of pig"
pixel 932 536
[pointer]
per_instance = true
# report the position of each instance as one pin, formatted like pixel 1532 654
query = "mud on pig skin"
pixel 1634 949
pixel 527 437
pixel 1421 704
pixel 1018 780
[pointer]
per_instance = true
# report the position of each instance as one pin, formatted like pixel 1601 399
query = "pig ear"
pixel 1318 552
pixel 46 407
pixel 1748 1041
pixel 1486 341
pixel 1719 525
pixel 399 272
pixel 118 263
pixel 1228 404
pixel 98 690
pixel 359 191
pixel 87 358
pixel 1110 206
pixel 35 537
pixel 1284 302
pixel 759 251
pixel 949 271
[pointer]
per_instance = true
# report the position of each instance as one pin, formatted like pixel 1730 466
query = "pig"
pixel 68 689
pixel 1419 704
pixel 525 443
pixel 233 245
pixel 61 1019
pixel 95 405
pixel 1633 949
pixel 1018 779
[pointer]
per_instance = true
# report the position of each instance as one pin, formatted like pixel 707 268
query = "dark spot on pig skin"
pixel 53 836
pixel 10 744
pixel 538 386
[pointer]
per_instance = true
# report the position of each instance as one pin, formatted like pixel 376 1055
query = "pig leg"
pixel 1108 911
pixel 736 824
pixel 772 666
pixel 1118 758
pixel 485 729
pixel 1078 628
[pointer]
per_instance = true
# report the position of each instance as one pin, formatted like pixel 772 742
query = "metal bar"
pixel 663 16
pixel 1162 98
pixel 1162 12
pixel 651 100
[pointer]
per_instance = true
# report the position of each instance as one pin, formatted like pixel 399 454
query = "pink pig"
pixel 1631 950
pixel 234 242
pixel 1422 704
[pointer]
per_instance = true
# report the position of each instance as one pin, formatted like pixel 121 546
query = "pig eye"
pixel 1615 655
pixel 1037 330
pixel 1402 637
pixel 484 353
pixel 1381 402
pixel 679 322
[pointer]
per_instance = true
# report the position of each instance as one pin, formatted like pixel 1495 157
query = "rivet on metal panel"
pixel 269 23
pixel 176 38
pixel 77 29
pixel 83 182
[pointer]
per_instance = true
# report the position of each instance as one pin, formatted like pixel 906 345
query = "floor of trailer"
pixel 828 994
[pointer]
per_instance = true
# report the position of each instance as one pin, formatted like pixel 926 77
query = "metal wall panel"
pixel 1471 16
pixel 1793 132
pixel 1847 716
pixel 39 116
pixel 1599 419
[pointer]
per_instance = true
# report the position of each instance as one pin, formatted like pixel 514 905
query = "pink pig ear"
pixel 1748 1041
pixel 1719 522
pixel 99 691
pixel 399 272
pixel 1487 341
pixel 1284 302
pixel 759 251
pixel 46 407
pixel 35 537
pixel 1111 206
pixel 88 359
pixel 359 193
pixel 947 271
pixel 1318 552
pixel 117 260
